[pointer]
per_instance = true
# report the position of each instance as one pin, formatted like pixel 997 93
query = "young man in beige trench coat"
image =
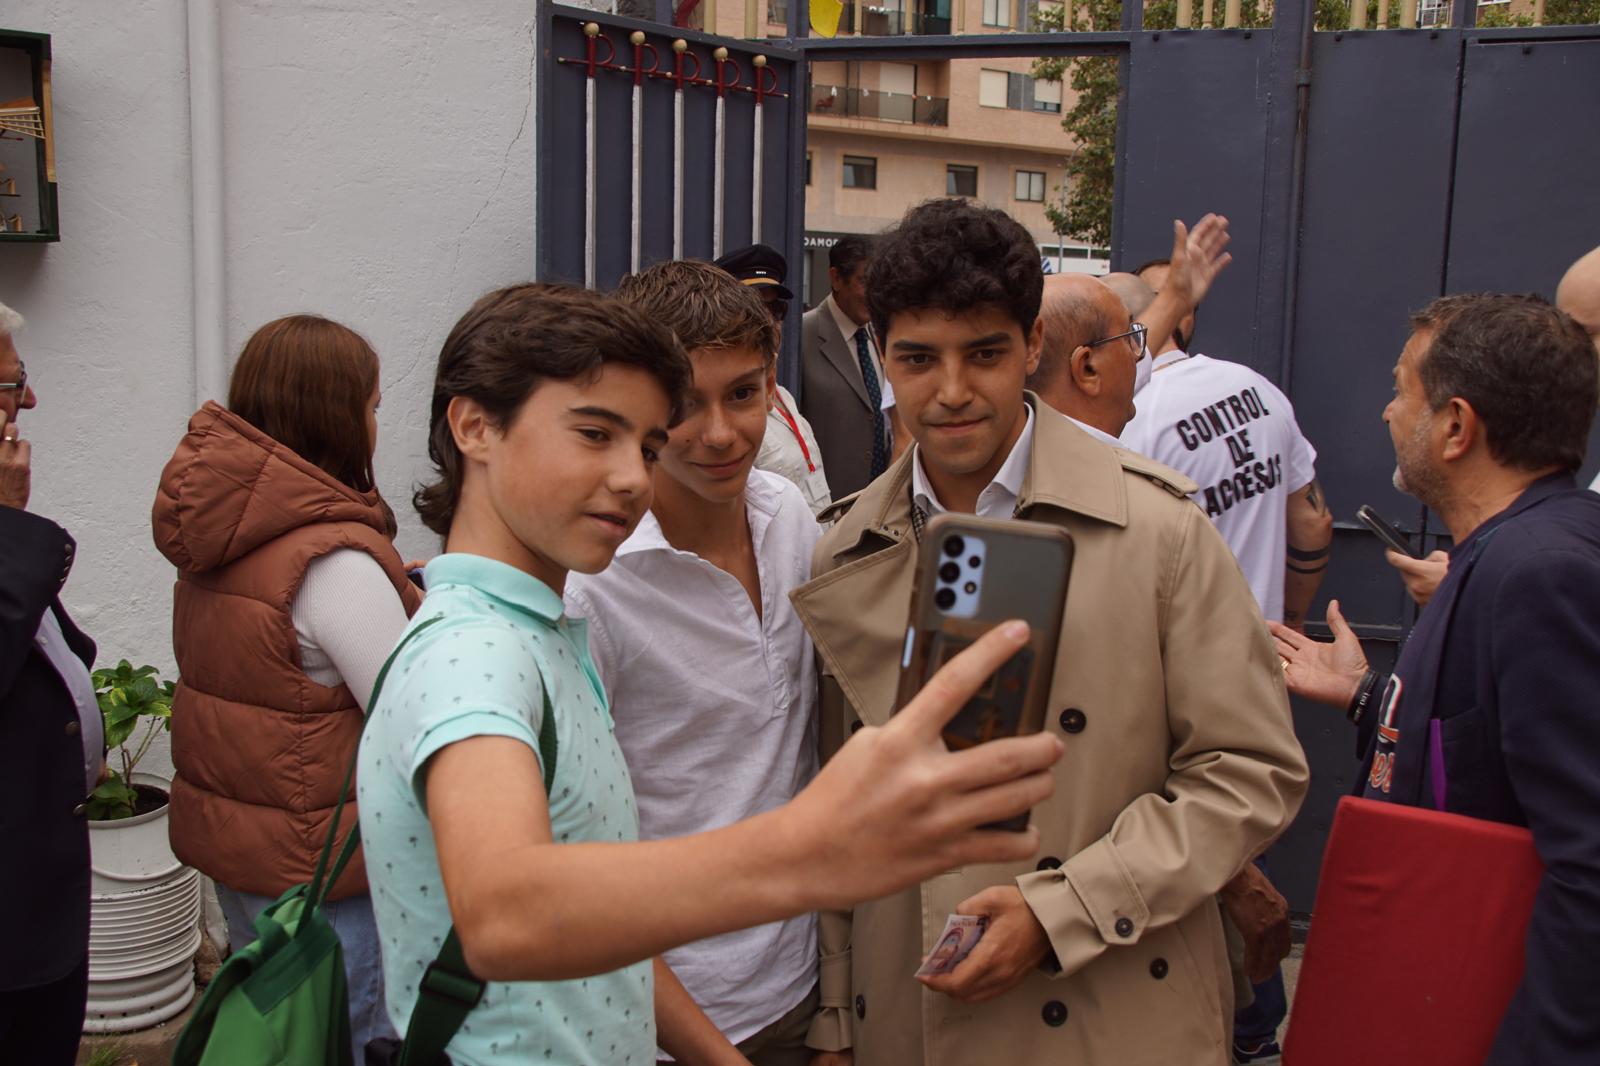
pixel 1181 760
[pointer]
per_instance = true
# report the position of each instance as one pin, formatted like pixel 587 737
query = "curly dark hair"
pixel 955 256
pixel 513 339
pixel 1527 369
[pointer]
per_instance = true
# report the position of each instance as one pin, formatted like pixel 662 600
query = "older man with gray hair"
pixel 51 732
pixel 1084 367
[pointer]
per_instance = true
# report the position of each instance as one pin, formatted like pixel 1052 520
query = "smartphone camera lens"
pixel 954 547
pixel 949 573
pixel 974 562
pixel 945 599
pixel 970 587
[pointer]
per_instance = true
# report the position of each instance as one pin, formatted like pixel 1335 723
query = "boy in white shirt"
pixel 709 671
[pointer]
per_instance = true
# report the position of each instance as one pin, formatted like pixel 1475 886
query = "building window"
pixel 1030 186
pixel 1019 92
pixel 997 13
pixel 860 172
pixel 778 12
pixel 960 180
pixel 1046 96
pixel 992 88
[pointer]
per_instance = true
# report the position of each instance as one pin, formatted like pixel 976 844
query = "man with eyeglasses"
pixel 53 737
pixel 16 454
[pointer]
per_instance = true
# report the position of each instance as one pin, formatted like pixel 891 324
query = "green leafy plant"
pixel 127 696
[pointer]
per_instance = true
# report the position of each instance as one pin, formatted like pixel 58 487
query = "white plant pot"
pixel 144 922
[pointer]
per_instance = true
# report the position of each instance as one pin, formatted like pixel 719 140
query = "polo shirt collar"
pixel 498 580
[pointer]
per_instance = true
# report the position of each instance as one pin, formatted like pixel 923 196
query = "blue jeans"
pixel 1260 1020
pixel 358 935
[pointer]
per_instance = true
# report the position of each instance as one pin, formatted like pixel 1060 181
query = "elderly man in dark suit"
pixel 51 732
pixel 841 375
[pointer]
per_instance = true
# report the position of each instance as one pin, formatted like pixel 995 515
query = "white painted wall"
pixel 377 168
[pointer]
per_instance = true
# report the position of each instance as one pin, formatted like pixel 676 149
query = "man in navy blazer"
pixel 1493 709
pixel 50 735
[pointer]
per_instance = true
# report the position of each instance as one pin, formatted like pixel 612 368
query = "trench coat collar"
pixel 1068 470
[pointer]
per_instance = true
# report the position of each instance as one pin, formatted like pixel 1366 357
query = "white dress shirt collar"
pixel 761 498
pixel 846 327
pixel 999 498
pixel 1099 435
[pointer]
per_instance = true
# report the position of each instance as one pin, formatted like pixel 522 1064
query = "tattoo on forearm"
pixel 1314 496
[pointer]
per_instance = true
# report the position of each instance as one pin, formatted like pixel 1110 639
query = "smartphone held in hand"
pixel 1386 532
pixel 972 575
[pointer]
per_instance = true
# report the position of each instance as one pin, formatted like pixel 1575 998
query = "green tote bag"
pixel 282 1000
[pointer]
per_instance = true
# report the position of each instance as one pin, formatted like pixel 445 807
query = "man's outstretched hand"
pixel 1198 256
pixel 1326 672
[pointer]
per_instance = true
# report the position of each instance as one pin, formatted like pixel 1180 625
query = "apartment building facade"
pixel 883 136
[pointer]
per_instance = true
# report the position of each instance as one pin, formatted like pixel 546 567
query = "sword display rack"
pixel 672 61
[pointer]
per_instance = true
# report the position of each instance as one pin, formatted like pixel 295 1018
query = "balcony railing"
pixel 880 20
pixel 886 107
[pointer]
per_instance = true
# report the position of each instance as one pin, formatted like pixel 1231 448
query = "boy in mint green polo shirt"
pixel 549 406
pixel 479 672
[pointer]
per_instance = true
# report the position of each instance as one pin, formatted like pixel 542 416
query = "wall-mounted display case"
pixel 28 208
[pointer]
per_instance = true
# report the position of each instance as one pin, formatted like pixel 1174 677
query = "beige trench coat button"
pixel 1073 720
pixel 1049 862
pixel 1158 969
pixel 861 1007
pixel 1055 1013
pixel 1124 927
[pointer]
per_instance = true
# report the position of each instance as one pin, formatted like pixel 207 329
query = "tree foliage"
pixel 1081 207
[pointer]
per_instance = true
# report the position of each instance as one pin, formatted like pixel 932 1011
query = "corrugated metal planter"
pixel 144 922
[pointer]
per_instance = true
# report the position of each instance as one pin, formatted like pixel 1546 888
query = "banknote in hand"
pixel 961 934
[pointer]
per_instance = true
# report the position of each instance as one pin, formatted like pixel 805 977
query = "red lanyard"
pixel 794 428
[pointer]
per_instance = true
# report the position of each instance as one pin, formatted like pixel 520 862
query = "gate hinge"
pixel 1302 77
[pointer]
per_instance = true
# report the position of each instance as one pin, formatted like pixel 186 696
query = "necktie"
pixel 869 375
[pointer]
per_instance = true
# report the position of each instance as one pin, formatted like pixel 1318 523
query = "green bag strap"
pixel 322 881
pixel 448 991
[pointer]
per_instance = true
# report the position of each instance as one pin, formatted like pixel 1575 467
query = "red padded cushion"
pixel 1416 944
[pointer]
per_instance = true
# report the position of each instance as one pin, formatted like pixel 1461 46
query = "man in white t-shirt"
pixel 1234 432
pixel 710 673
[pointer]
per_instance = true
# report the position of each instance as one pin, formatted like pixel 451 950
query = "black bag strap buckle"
pixel 444 983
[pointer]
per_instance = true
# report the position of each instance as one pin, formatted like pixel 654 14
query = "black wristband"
pixel 1363 696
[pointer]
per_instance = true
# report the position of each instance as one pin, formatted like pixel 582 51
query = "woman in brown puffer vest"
pixel 290 595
